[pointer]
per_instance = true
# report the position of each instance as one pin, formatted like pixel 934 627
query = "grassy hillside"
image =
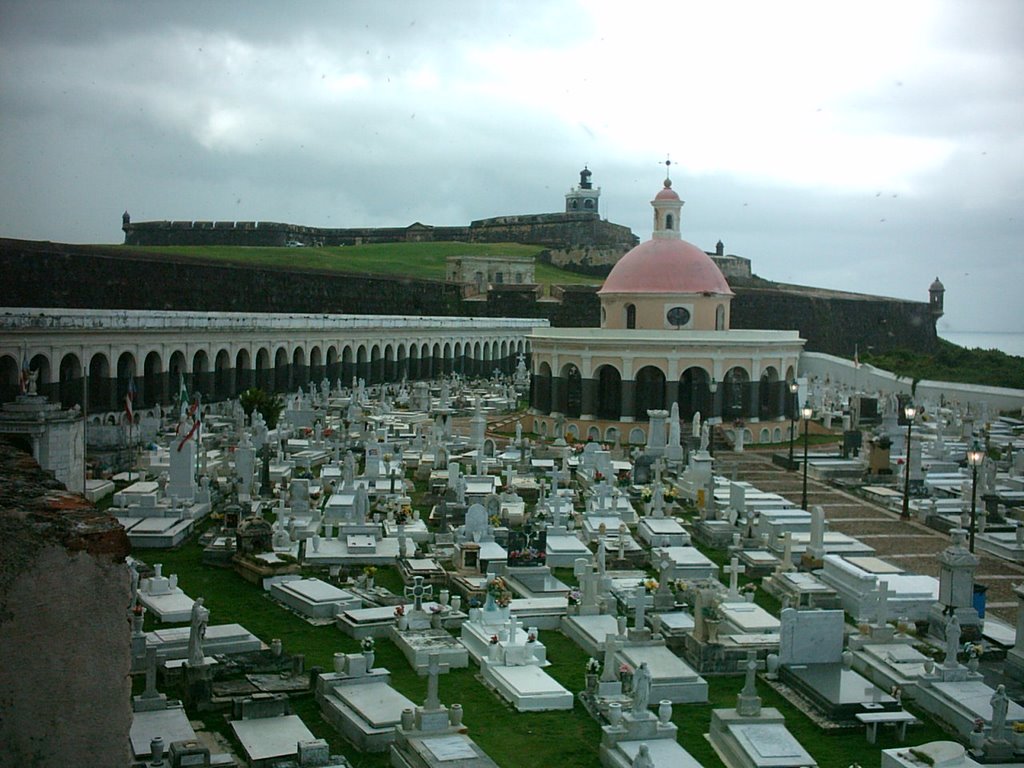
pixel 949 362
pixel 420 260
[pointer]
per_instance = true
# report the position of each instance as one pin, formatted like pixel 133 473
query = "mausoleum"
pixel 664 338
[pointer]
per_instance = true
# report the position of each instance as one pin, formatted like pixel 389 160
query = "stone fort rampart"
pixel 116 277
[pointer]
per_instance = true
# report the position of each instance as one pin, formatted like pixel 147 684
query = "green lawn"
pixel 512 739
pixel 419 260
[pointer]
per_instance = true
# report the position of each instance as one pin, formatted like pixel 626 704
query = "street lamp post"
pixel 910 412
pixel 793 389
pixel 712 388
pixel 807 412
pixel 974 458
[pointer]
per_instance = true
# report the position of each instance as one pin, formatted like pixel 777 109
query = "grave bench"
pixel 900 719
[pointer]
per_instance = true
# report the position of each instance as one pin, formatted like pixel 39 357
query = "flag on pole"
pixel 856 357
pixel 196 414
pixel 182 395
pixel 23 377
pixel 129 400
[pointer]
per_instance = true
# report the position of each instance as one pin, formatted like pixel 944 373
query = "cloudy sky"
pixel 866 146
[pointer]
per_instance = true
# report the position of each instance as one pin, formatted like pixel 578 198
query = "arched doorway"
pixel 650 391
pixel 609 393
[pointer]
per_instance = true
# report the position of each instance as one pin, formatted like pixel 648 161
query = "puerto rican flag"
pixel 23 377
pixel 129 400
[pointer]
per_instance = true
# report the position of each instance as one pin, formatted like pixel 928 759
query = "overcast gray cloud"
pixel 866 147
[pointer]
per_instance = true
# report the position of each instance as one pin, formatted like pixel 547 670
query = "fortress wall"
pixel 112 277
pixel 835 323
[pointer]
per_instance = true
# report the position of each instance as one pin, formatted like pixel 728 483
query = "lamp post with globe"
pixel 807 412
pixel 975 456
pixel 793 389
pixel 910 412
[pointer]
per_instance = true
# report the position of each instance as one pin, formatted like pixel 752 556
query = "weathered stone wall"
pixel 554 229
pixel 65 655
pixel 835 322
pixel 113 277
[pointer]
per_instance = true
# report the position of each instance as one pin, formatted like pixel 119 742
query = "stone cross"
pixel 665 567
pixel 734 569
pixel 418 591
pixel 514 625
pixel 434 668
pixel 752 665
pixel 610 648
pixel 637 601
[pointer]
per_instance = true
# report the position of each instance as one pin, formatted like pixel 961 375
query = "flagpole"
pixel 85 427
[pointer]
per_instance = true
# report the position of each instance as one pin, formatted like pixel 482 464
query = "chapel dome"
pixel 667 193
pixel 666 266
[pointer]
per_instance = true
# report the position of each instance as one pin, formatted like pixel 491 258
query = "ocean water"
pixel 1010 343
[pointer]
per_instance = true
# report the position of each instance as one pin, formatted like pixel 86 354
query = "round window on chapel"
pixel 678 316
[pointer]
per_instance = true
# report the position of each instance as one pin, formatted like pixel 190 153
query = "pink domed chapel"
pixel 664 338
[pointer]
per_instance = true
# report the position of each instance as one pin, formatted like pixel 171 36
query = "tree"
pixel 269 406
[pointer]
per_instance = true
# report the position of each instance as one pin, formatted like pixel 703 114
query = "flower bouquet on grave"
pixel 367 644
pixel 498 594
pixel 650 584
pixel 626 676
pixel 575 597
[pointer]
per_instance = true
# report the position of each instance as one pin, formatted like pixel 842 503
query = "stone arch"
pixel 99 384
pixel 611 435
pixel 426 362
pixel 264 375
pixel 376 365
pixel 126 372
pixel 243 371
pixel 637 436
pixel 777 435
pixel 10 378
pixel 333 372
pixel 446 358
pixel 202 381
pixel 401 362
pixel 458 363
pixel 176 373
pixel 765 435
pixel 41 364
pixel 223 383
pixel 363 363
pixel 770 394
pixel 348 365
pixel 389 362
pixel 154 383
pixel 476 364
pixel 437 361
pixel 505 367
pixel 282 379
pixel 695 393
pixel 735 393
pixel 414 361
pixel 609 392
pixel 541 385
pixel 300 371
pixel 593 435
pixel 573 431
pixel 650 391
pixel 572 381
pixel 316 364
pixel 69 380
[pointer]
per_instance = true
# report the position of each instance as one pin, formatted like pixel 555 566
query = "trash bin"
pixel 979 599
